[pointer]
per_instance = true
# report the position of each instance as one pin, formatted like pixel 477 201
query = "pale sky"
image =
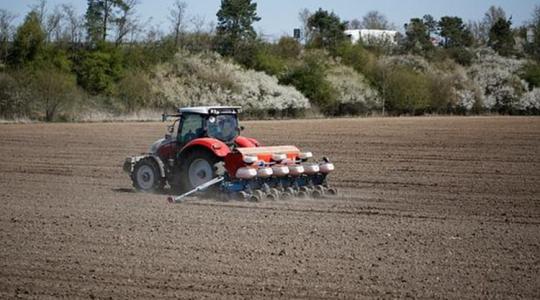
pixel 279 17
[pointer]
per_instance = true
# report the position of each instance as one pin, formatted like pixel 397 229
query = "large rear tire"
pixel 197 167
pixel 146 176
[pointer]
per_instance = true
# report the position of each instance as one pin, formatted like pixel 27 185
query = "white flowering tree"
pixel 208 79
pixel 354 91
pixel 497 77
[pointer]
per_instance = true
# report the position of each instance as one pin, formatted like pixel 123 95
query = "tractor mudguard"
pixel 131 161
pixel 219 148
pixel 246 142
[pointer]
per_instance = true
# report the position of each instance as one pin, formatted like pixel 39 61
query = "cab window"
pixel 192 128
pixel 223 127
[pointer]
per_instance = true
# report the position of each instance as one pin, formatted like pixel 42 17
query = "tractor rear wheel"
pixel 196 168
pixel 146 176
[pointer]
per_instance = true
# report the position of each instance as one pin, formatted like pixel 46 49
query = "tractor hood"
pixel 154 148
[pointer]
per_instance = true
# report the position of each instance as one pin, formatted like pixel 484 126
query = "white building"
pixel 372 35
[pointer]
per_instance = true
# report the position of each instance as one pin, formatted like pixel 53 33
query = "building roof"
pixel 205 110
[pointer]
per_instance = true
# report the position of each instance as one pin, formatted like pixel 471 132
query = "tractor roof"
pixel 206 110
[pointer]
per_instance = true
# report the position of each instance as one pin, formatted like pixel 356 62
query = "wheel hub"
pixel 199 172
pixel 145 177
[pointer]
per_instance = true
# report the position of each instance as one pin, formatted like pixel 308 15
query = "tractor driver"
pixel 229 129
pixel 222 127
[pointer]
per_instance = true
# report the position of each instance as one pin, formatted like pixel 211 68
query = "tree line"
pixel 58 61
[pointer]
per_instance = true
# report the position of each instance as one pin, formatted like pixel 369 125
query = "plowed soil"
pixel 429 208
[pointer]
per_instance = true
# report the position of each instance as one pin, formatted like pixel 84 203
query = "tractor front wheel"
pixel 146 176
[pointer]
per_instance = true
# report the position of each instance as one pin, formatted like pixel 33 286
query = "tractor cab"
pixel 220 123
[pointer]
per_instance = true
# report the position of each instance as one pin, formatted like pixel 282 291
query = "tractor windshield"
pixel 223 127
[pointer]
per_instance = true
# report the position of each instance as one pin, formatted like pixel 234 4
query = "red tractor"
pixel 207 149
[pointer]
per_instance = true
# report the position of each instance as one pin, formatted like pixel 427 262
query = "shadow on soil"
pixel 167 192
pixel 124 190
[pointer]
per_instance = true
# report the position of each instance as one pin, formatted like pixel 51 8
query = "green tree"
pixel 100 14
pixel 455 33
pixel 327 30
pixel 501 38
pixel 29 40
pixel 235 25
pixel 417 37
pixel 94 19
pixel 431 23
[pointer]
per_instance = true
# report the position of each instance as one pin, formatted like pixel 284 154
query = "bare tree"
pixel 375 20
pixel 211 27
pixel 6 32
pixel 74 24
pixel 153 34
pixel 53 27
pixel 536 15
pixel 177 18
pixel 477 31
pixel 480 30
pixel 198 22
pixel 355 24
pixel 40 7
pixel 126 23
pixel 107 12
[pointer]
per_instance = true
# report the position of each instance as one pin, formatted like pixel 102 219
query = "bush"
pixel 531 73
pixel 354 94
pixel 441 94
pixel 99 70
pixel 406 91
pixel 530 102
pixel 14 96
pixel 197 42
pixel 309 77
pixel 462 56
pixel 356 57
pixel 288 48
pixel 134 91
pixel 245 53
pixel 270 63
pixel 53 92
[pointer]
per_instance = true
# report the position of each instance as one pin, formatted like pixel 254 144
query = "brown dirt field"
pixel 430 208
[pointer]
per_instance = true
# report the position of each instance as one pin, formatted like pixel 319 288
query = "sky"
pixel 280 17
